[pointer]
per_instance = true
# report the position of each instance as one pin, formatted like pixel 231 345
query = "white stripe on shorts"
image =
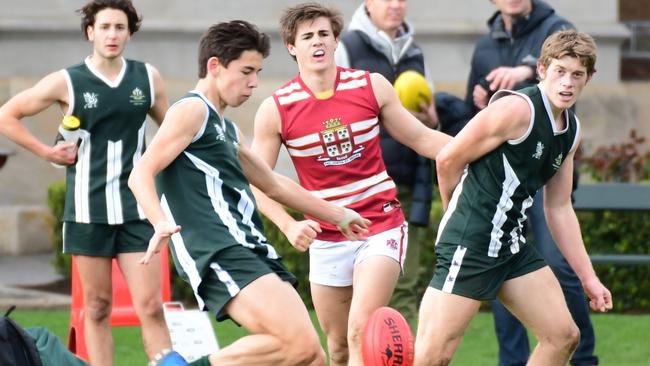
pixel 226 279
pixel 454 268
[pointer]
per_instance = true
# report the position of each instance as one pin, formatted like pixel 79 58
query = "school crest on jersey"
pixel 137 97
pixel 539 150
pixel 90 100
pixel 221 136
pixel 558 162
pixel 336 138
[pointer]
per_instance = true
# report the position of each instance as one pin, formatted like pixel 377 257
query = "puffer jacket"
pixel 521 47
pixel 365 47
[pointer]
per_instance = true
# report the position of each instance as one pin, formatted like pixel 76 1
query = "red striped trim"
pixel 401 244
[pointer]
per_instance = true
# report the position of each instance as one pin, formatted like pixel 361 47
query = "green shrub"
pixel 181 290
pixel 56 203
pixel 619 162
pixel 610 232
pixel 618 232
pixel 603 232
pixel 427 252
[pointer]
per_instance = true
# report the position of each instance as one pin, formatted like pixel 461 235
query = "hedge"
pixel 616 232
pixel 603 232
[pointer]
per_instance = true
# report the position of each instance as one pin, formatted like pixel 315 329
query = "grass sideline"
pixel 619 338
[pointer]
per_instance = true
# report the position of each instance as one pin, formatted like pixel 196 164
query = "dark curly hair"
pixel 90 10
pixel 228 40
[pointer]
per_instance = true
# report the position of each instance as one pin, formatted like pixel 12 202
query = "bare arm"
pixel 181 124
pixel 49 90
pixel 284 190
pixel 266 143
pixel 506 119
pixel 299 233
pixel 402 125
pixel 565 228
pixel 161 104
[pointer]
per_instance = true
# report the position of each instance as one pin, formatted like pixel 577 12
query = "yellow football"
pixel 412 89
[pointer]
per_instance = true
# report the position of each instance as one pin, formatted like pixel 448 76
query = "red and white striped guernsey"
pixel 334 145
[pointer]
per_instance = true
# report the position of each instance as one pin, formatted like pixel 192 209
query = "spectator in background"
pixel 506 58
pixel 380 40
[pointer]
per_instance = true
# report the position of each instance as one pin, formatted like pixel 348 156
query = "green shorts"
pixel 468 273
pixel 104 240
pixel 232 269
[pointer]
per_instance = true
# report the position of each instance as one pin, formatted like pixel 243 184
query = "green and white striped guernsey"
pixel 488 207
pixel 206 192
pixel 112 115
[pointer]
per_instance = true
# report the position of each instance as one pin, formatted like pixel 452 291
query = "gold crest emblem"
pixel 336 138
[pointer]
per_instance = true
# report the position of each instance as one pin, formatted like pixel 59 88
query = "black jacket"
pixel 522 47
pixel 404 165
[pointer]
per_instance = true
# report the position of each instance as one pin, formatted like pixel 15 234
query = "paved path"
pixel 29 270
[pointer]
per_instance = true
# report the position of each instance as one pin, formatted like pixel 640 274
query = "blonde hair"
pixel 570 43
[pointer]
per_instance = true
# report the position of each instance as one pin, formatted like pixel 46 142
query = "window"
pixel 635 52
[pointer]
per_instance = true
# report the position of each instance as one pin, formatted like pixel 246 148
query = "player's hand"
pixel 64 153
pixel 163 230
pixel 480 96
pixel 302 233
pixel 427 115
pixel 353 226
pixel 506 77
pixel 600 299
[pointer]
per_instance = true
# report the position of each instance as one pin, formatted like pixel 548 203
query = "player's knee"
pixel 431 359
pixel 570 338
pixel 428 358
pixel 564 338
pixel 306 352
pixel 355 331
pixel 315 356
pixel 338 350
pixel 301 344
pixel 430 353
pixel 98 308
pixel 150 308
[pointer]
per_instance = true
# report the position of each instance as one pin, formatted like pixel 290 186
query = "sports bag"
pixel 17 348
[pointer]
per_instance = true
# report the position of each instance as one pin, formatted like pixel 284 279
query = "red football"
pixel 387 339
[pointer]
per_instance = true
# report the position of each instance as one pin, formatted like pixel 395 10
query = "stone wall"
pixel 446 29
pixel 35 43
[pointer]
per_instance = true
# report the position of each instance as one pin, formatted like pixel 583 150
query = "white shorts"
pixel 331 263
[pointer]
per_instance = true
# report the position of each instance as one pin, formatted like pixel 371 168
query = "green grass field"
pixel 620 339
